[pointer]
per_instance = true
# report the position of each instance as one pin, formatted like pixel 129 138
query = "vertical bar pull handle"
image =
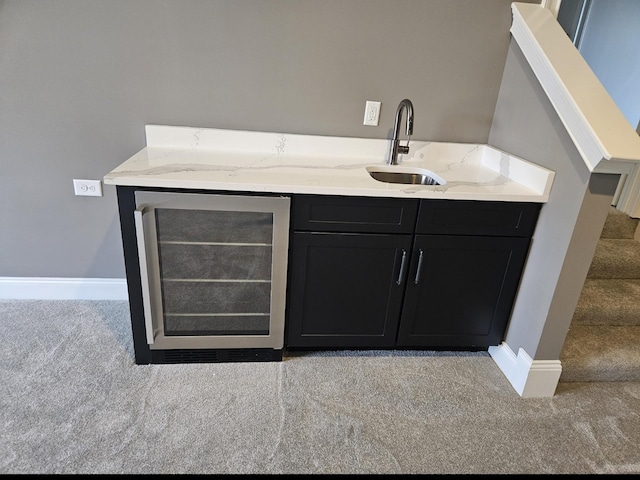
pixel 419 269
pixel 144 274
pixel 403 265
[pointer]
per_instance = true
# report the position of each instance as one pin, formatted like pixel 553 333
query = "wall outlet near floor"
pixel 89 188
pixel 371 113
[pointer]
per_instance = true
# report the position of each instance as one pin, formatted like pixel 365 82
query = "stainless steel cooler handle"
pixel 144 274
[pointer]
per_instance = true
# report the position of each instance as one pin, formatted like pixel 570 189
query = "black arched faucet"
pixel 396 148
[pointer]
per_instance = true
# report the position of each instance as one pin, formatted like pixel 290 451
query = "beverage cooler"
pixel 213 271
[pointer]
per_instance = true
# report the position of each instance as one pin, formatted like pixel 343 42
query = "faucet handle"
pixel 404 148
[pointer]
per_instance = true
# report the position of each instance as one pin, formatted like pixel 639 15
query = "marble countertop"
pixel 235 160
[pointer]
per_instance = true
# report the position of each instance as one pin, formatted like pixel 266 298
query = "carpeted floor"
pixel 74 402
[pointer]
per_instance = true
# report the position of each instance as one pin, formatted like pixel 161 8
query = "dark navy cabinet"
pixel 404 273
pixel 348 265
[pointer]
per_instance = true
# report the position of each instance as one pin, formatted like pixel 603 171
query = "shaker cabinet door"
pixel 460 290
pixel 346 290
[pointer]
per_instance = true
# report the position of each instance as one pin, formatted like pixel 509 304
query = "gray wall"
pixel 610 44
pixel 570 223
pixel 607 34
pixel 80 79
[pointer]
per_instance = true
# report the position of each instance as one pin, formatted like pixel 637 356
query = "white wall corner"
pixel 629 200
pixel 530 378
pixel 552 5
pixel 49 288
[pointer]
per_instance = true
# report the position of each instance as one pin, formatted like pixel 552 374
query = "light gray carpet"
pixel 73 401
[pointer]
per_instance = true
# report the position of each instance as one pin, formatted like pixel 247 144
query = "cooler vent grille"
pixel 217 356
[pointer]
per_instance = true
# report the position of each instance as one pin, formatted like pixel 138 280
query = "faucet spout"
pixel 396 148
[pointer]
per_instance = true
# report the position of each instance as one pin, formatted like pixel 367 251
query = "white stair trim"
pixel 530 378
pixel 601 133
pixel 51 288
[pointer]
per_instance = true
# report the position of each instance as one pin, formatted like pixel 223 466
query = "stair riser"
pixel 601 354
pixel 628 272
pixel 616 258
pixel 604 316
pixel 619 225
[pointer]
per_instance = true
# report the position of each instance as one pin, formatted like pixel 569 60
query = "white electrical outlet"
pixel 371 113
pixel 89 188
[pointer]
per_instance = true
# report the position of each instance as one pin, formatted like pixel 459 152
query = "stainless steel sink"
pixel 405 175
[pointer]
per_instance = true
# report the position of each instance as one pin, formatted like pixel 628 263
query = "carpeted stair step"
pixel 615 258
pixel 619 225
pixel 608 301
pixel 603 341
pixel 601 353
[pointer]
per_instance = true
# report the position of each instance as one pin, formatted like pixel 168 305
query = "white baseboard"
pixel 530 378
pixel 51 288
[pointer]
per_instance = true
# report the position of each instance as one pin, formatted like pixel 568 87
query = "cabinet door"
pixel 460 290
pixel 345 290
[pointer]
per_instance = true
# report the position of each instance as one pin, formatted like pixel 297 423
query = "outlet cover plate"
pixel 88 188
pixel 371 113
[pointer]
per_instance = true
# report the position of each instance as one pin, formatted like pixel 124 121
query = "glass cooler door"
pixel 215 269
